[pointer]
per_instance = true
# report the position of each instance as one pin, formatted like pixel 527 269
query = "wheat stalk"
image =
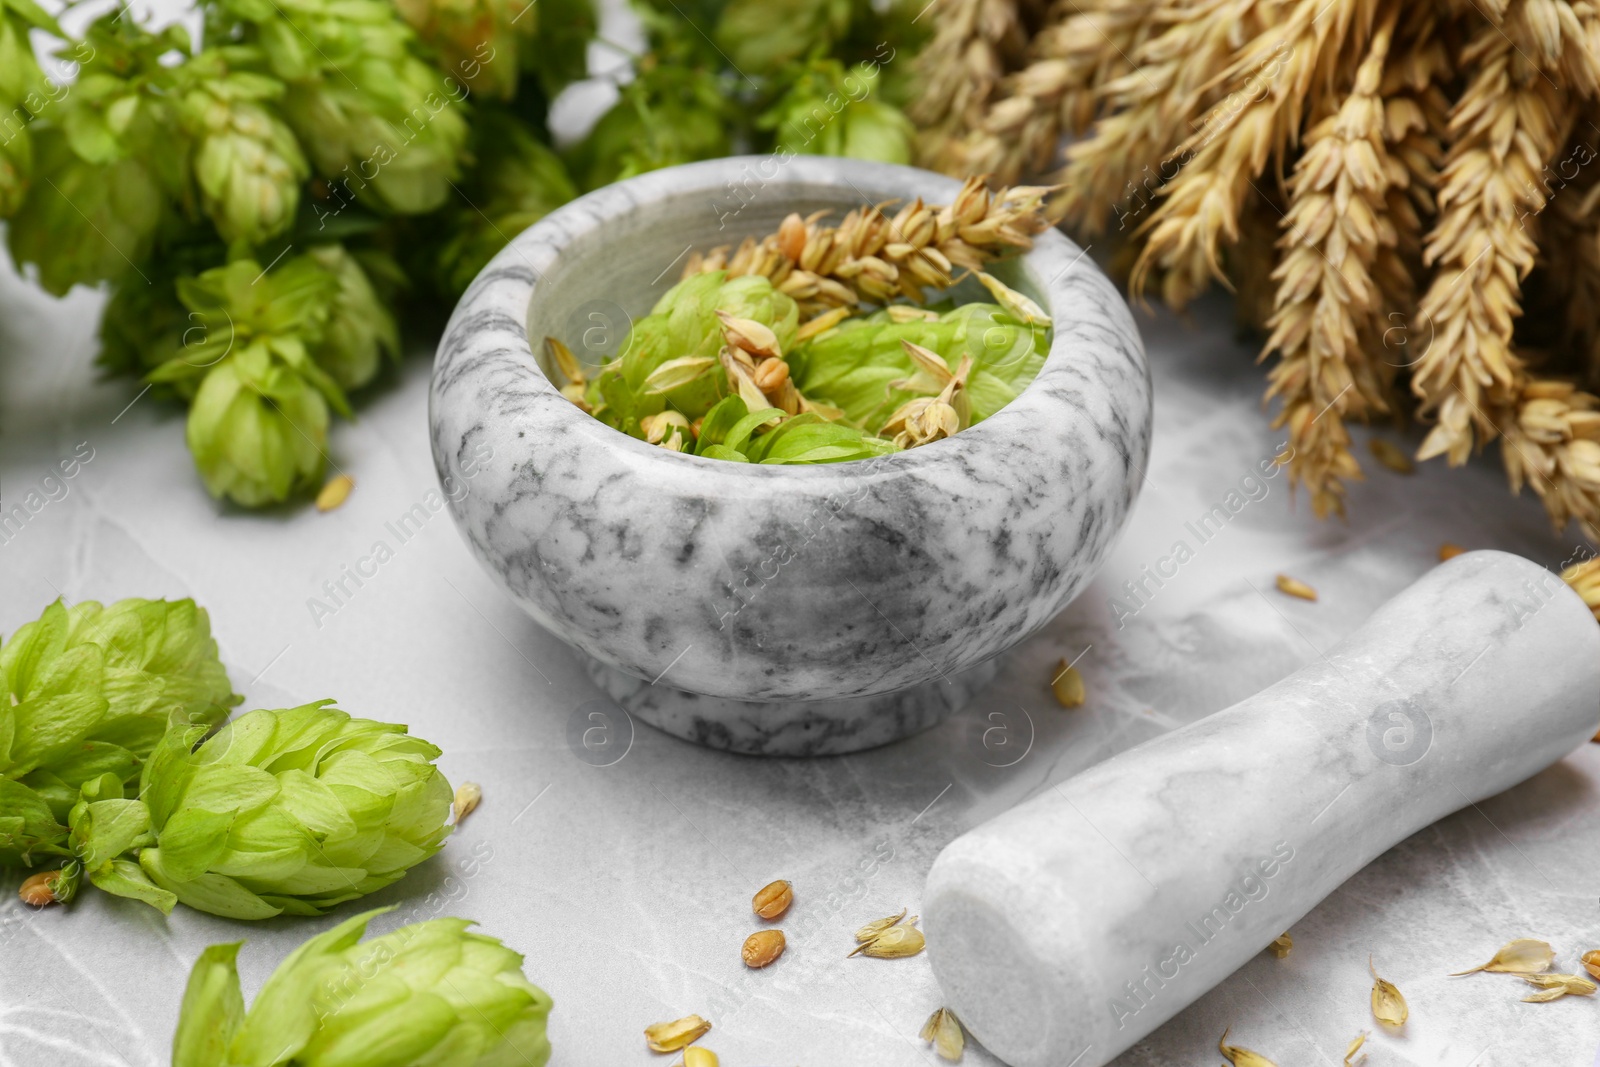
pixel 870 256
pixel 1200 206
pixel 1052 96
pixel 1502 129
pixel 974 44
pixel 1124 160
pixel 1327 302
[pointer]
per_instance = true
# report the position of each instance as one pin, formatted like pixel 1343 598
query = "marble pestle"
pixel 1068 928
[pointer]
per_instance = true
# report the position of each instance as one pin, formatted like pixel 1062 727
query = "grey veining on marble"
pixel 1070 927
pixel 794 727
pixel 775 584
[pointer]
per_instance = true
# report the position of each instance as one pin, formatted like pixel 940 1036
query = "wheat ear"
pixel 1502 129
pixel 1121 165
pixel 974 44
pixel 1269 81
pixel 1327 301
pixel 1052 96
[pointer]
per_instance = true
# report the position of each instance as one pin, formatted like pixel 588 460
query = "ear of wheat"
pixel 1388 184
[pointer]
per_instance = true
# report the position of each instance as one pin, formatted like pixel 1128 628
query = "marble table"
pixel 625 876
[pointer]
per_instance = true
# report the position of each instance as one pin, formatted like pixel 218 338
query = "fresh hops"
pixel 288 811
pixel 258 426
pixel 88 692
pixel 433 992
pixel 247 163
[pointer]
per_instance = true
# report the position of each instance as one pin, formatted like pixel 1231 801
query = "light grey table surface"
pixel 628 885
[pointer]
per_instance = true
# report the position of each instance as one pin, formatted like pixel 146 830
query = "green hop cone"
pixel 432 993
pixel 829 112
pixel 110 160
pixel 22 83
pixel 760 36
pixel 258 431
pixel 382 125
pixel 289 811
pixel 258 425
pixel 88 693
pixel 83 222
pixel 477 40
pixel 360 331
pixel 246 160
pixel 668 115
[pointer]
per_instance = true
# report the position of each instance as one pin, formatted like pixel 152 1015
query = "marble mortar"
pixel 1073 925
pixel 773 609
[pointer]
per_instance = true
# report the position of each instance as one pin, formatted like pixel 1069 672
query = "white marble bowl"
pixel 776 609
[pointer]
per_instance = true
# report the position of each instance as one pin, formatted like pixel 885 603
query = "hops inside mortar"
pixel 801 348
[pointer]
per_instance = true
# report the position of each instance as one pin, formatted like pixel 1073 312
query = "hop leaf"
pixel 247 163
pixel 433 992
pixel 85 694
pixel 288 811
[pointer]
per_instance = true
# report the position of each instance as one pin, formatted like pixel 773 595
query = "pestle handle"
pixel 1070 927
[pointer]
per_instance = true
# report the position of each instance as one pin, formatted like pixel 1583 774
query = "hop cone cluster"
pixel 431 993
pixel 89 692
pixel 351 155
pixel 289 811
pixel 110 162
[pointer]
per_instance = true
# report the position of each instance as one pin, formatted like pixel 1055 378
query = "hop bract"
pixel 292 810
pixel 87 692
pixel 432 993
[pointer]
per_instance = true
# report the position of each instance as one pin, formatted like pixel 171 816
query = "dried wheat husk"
pixel 974 44
pixel 1552 444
